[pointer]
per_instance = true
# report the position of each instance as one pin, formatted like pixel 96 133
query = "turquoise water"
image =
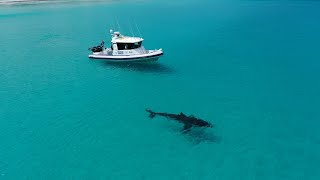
pixel 249 67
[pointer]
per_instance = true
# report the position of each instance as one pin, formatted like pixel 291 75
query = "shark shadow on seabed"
pixel 196 135
pixel 200 135
pixel 151 67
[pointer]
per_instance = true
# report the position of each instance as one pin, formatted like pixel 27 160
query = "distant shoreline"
pixel 34 2
pixel 12 2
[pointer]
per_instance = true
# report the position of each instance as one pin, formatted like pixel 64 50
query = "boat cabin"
pixel 125 45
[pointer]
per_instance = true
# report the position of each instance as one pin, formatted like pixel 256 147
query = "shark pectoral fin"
pixel 152 115
pixel 187 127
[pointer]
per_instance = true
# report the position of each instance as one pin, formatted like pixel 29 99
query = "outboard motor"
pixel 98 48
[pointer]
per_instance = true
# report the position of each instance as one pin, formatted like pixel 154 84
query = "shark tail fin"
pixel 152 114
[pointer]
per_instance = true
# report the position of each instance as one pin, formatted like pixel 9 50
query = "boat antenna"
pixel 137 28
pixel 118 24
pixel 131 29
pixel 113 26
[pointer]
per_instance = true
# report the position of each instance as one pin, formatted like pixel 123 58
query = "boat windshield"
pixel 125 46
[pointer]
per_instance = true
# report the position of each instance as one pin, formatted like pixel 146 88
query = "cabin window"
pixel 126 46
pixel 137 44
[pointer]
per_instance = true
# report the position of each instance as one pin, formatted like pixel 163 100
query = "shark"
pixel 188 121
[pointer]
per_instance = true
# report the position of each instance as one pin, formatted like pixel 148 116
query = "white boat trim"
pixel 123 57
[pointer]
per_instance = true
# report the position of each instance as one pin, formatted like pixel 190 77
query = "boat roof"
pixel 119 38
pixel 126 39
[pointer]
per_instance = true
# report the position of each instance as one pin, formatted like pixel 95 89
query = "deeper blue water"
pixel 249 67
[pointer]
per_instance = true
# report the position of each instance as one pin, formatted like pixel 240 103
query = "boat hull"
pixel 138 58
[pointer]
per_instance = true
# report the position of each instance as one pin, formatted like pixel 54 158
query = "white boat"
pixel 125 49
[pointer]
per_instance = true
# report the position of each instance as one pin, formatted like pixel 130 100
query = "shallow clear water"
pixel 249 67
